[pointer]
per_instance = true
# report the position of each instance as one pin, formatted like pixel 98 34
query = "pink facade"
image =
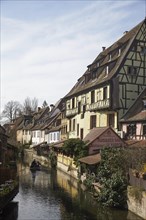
pixel 108 138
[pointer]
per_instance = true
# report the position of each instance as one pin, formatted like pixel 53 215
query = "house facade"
pixel 54 127
pixel 133 122
pixel 109 86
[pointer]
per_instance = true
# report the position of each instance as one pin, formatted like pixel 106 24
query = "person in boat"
pixel 35 165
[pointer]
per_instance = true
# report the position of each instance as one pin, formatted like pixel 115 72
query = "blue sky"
pixel 47 45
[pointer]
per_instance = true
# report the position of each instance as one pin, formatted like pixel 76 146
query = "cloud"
pixel 44 58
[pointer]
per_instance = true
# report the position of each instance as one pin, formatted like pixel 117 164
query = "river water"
pixel 53 195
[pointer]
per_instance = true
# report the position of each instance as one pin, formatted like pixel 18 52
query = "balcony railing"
pixel 98 105
pixel 71 112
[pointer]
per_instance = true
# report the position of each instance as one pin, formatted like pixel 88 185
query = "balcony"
pixel 71 112
pixel 102 104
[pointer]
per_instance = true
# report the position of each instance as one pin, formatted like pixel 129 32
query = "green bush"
pixel 112 177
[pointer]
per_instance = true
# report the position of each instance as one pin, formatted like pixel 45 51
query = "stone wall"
pixel 137 201
pixel 66 164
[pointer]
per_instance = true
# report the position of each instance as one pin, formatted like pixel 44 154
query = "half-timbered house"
pixel 133 122
pixel 109 86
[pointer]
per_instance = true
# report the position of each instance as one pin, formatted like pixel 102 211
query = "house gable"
pixel 105 138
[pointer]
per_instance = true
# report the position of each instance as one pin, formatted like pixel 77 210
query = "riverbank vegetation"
pixel 112 177
pixel 75 148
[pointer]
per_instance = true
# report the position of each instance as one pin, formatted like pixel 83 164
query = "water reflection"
pixel 33 174
pixel 53 195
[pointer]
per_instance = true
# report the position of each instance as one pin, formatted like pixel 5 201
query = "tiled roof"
pixel 90 160
pixel 2 130
pixel 94 133
pixel 141 116
pixel 136 143
pixel 51 119
pixel 136 112
pixel 114 64
pixel 57 128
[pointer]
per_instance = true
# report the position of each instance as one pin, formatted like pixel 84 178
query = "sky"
pixel 45 46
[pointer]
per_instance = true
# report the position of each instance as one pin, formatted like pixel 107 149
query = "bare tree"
pixel 45 104
pixel 34 104
pixel 12 110
pixel 30 105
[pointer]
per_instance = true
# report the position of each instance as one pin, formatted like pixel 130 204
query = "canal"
pixel 53 195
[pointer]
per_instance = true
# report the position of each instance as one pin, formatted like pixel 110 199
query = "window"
pixel 98 95
pixel 93 74
pixel 83 100
pixel 92 96
pixel 104 93
pixel 73 124
pixel 87 77
pixel 79 107
pixel 81 133
pixel 111 120
pixel 38 134
pixel 77 129
pixel 92 121
pixel 69 125
pixel 73 102
pixel 84 108
pixel 119 52
pixel 110 57
pixel 131 70
pixel 143 50
pixel 58 136
pixel 98 64
pixel 131 129
pixel 144 129
pixel 107 70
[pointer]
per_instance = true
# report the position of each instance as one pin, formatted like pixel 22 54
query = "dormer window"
pixel 107 70
pixel 97 65
pixel 87 77
pixel 119 52
pixel 93 74
pixel 110 57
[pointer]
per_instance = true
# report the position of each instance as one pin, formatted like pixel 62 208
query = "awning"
pixel 92 159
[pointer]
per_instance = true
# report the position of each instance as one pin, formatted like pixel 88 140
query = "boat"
pixel 35 166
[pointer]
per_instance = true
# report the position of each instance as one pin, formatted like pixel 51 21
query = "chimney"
pixel 103 48
pixel 51 107
pixel 125 32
